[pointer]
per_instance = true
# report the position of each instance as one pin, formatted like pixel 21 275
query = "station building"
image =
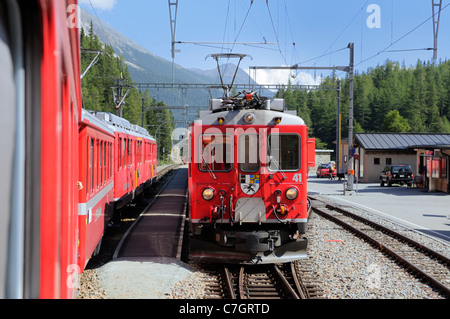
pixel 427 154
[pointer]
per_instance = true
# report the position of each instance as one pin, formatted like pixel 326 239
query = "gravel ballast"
pixel 348 268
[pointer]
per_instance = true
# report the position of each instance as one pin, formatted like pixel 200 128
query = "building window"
pixel 376 161
pixel 435 168
pixel 388 161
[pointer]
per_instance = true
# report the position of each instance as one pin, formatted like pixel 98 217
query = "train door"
pixel 249 204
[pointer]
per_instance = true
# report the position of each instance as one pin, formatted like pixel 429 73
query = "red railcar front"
pixel 248 174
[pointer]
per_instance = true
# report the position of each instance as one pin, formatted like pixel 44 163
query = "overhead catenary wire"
pixel 404 36
pixel 275 32
pixel 101 25
pixel 342 32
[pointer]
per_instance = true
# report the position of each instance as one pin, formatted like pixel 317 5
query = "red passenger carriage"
pixel 57 185
pixel 248 171
pixel 41 93
pixel 96 183
pixel 135 158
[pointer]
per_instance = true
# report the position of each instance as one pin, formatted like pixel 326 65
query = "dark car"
pixel 396 174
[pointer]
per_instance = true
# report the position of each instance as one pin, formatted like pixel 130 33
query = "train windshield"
pixel 284 152
pixel 249 153
pixel 216 153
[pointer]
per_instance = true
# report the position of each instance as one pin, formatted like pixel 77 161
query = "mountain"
pixel 146 67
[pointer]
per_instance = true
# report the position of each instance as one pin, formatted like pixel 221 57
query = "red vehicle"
pixel 58 161
pixel 41 109
pixel 117 162
pixel 324 171
pixel 135 156
pixel 96 178
pixel 248 171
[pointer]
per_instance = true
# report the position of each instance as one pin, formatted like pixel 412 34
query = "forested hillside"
pixel 388 98
pixel 98 95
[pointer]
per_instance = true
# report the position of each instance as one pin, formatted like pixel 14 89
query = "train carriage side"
pixel 96 184
pixel 41 106
pixel 248 186
pixel 129 169
pixel 143 171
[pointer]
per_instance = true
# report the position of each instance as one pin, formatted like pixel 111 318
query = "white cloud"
pixel 106 5
pixel 283 77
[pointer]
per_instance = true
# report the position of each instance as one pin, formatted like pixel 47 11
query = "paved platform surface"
pixel 147 262
pixel 415 208
pixel 158 232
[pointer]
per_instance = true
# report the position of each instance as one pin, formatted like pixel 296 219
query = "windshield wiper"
pixel 209 168
pixel 272 159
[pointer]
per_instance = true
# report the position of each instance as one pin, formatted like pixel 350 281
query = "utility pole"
pixel 351 169
pixel 143 110
pixel 437 7
pixel 338 128
pixel 173 11
pixel 350 69
pixel 119 97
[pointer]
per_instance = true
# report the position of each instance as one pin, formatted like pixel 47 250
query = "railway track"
pixel 281 281
pixel 422 262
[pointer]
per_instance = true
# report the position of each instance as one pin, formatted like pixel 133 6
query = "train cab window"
pixel 248 152
pixel 284 152
pixel 216 153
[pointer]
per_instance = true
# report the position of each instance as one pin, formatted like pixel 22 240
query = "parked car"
pixel 396 174
pixel 324 170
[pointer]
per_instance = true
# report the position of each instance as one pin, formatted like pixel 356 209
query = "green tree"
pixel 395 123
pixel 110 70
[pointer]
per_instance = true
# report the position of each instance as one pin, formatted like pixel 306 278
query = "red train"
pixel 64 169
pixel 117 161
pixel 248 172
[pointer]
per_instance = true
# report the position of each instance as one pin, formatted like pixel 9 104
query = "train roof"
pixel 269 113
pixel 93 120
pixel 119 124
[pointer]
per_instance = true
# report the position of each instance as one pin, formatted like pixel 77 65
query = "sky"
pixel 308 33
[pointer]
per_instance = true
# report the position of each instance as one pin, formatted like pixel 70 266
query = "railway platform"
pixel 146 263
pixel 158 232
pixel 427 213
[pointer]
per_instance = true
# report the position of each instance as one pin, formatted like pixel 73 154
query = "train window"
pixel 248 152
pixel 216 153
pixel 119 162
pixel 111 160
pixel 91 166
pixel 97 164
pixel 105 177
pixel 284 152
pixel 101 164
pixel 124 153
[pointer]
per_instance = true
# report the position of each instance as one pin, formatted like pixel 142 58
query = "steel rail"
pixel 441 258
pixel 284 283
pixel 229 283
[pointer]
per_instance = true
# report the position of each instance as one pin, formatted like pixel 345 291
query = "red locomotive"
pixel 248 172
pixel 64 169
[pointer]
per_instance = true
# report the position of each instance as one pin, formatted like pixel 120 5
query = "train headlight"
pixel 292 193
pixel 208 194
pixel 249 118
